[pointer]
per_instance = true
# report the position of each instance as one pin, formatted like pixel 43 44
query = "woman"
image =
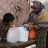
pixel 5 24
pixel 37 8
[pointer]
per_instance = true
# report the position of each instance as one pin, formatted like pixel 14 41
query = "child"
pixel 5 24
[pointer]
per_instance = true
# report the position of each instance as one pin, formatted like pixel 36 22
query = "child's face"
pixel 12 23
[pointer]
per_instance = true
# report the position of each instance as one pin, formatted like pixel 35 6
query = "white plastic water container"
pixel 23 34
pixel 12 35
pixel 17 34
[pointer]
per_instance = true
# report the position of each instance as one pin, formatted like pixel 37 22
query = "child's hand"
pixel 12 25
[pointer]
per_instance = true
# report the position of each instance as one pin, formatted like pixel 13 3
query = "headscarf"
pixel 38 5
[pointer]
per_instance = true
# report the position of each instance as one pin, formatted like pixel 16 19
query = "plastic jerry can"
pixel 23 34
pixel 12 35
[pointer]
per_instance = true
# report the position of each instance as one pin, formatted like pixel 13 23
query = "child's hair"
pixel 7 18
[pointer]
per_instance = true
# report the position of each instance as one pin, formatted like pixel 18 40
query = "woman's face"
pixel 35 10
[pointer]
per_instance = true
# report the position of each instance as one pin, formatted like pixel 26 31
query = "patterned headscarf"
pixel 38 5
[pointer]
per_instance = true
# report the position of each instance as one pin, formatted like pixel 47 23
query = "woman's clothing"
pixel 41 41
